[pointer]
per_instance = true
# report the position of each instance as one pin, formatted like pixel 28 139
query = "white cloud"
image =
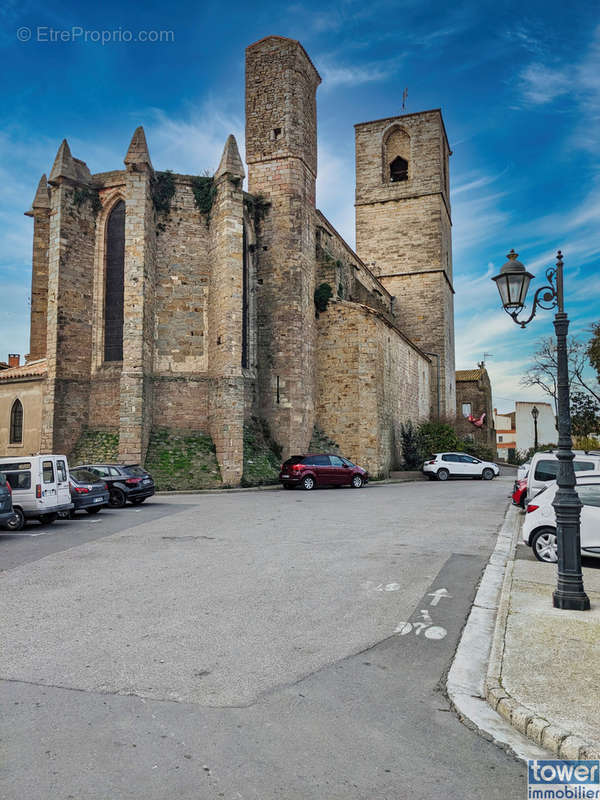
pixel 541 84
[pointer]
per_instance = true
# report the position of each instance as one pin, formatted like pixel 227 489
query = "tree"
pixel 585 414
pixel 593 349
pixel 543 372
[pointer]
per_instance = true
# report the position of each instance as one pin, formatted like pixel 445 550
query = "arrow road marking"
pixel 437 596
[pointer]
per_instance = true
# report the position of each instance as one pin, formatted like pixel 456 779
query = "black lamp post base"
pixel 571 602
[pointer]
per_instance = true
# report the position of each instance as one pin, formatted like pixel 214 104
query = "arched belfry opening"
pixel 115 283
pixel 396 155
pixel 399 169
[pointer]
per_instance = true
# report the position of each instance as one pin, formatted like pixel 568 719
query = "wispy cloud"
pixel 343 75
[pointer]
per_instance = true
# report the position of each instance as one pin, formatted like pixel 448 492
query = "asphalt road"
pixel 264 645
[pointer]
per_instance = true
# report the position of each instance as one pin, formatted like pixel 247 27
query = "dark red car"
pixel 321 469
pixel 519 495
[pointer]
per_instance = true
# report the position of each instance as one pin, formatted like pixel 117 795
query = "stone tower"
pixel 281 153
pixel 403 231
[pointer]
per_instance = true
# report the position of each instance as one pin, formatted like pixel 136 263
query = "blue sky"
pixel 518 83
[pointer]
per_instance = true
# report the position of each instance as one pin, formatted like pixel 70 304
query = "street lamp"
pixel 513 283
pixel 535 414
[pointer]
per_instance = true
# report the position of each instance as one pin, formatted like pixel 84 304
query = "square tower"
pixel 403 230
pixel 281 151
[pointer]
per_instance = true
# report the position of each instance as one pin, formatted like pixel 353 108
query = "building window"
pixel 396 155
pixel 245 303
pixel 500 439
pixel 16 423
pixel 115 273
pixel 466 409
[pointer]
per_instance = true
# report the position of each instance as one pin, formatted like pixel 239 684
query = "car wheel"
pixel 308 483
pixel 94 509
pixel 357 482
pixel 48 519
pixel 19 521
pixel 487 474
pixel 443 474
pixel 117 498
pixel 544 545
pixel 137 501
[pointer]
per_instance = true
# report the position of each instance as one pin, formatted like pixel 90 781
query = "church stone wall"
pixel 182 276
pixel 369 381
pixel 69 331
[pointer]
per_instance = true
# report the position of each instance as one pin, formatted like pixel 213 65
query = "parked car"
pixel 6 510
pixel 125 482
pixel 539 526
pixel 88 492
pixel 459 465
pixel 519 495
pixel 40 487
pixel 544 469
pixel 321 469
pixel 523 470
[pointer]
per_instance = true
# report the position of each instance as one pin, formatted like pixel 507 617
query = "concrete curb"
pixel 466 682
pixel 275 487
pixel 538 729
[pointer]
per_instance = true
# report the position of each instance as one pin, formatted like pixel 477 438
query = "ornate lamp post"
pixel 535 414
pixel 513 282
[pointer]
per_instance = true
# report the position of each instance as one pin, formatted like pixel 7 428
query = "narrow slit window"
pixel 16 423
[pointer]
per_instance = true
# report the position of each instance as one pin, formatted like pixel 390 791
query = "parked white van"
pixel 40 487
pixel 544 469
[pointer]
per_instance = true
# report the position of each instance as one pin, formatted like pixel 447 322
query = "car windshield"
pixel 83 476
pixel 136 471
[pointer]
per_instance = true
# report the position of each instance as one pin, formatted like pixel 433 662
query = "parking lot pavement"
pixel 36 541
pixel 256 645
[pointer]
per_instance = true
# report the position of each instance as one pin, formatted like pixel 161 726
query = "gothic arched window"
pixel 115 274
pixel 396 155
pixel 16 423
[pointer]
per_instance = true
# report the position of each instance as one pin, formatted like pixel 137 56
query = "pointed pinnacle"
pixel 64 166
pixel 138 149
pixel 41 201
pixel 231 161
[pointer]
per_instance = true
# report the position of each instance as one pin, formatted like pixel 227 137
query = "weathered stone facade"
pixel 214 321
pixel 474 398
pixel 403 230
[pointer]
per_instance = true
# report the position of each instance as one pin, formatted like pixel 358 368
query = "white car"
pixel 539 526
pixel 459 465
pixel 523 471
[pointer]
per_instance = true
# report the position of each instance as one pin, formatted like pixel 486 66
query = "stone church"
pixel 181 302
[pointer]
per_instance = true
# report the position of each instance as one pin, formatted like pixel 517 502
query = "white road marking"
pixel 436 632
pixel 437 596
pixel 426 615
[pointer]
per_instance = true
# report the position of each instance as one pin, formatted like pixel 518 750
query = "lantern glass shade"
pixel 513 285
pixel 534 412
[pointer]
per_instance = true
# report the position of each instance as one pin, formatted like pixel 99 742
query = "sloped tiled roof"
pixel 30 370
pixel 468 374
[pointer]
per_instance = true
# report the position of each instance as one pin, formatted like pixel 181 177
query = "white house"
pixel 515 430
pixel 525 425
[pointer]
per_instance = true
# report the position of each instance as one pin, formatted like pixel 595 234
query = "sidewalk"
pixel 543 669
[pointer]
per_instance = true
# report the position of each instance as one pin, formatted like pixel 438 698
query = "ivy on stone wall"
pixel 323 294
pixel 163 189
pixel 204 191
pixel 86 195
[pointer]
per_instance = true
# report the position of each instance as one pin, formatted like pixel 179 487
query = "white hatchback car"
pixel 539 526
pixel 459 465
